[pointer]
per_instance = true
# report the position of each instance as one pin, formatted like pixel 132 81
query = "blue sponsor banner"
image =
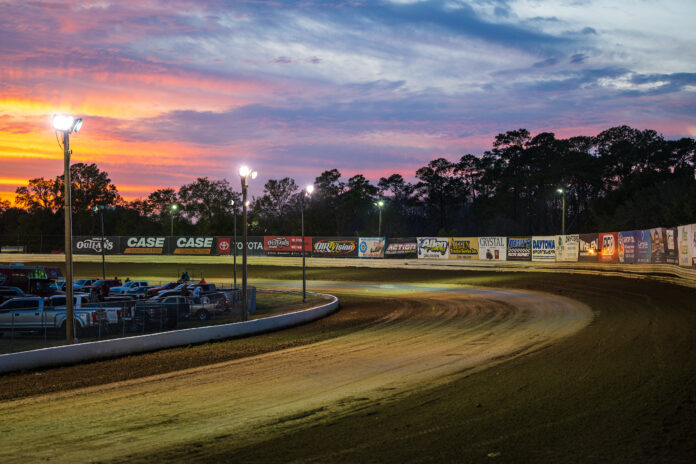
pixel 643 246
pixel 627 247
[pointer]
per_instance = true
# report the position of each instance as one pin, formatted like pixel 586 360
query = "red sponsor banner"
pixel 285 244
pixel 224 246
pixel 608 248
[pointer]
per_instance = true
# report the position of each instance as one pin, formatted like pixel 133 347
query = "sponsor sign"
pixel 254 246
pixel 492 248
pixel 588 247
pixel 192 245
pixel 544 248
pixel 403 248
pixel 464 248
pixel 643 246
pixel 686 238
pixel 143 245
pixel 224 246
pixel 335 247
pixel 671 251
pixel 627 247
pixel 567 247
pixel 608 248
pixel 657 245
pixel 93 245
pixel 433 247
pixel 371 247
pixel 286 245
pixel 519 249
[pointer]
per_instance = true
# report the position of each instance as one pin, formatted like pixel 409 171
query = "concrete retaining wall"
pixel 71 354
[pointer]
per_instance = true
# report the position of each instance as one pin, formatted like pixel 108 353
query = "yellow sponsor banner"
pixel 464 248
pixel 192 251
pixel 143 251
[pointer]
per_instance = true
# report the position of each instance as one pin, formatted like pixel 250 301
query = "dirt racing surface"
pixel 592 370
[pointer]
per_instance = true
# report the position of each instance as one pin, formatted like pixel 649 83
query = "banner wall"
pixel 567 247
pixel 492 248
pixel 544 248
pixel 254 245
pixel 433 247
pixel 141 245
pixel 464 248
pixel 671 252
pixel 627 247
pixel 519 249
pixel 643 246
pixel 335 247
pixel 371 247
pixel 657 245
pixel 90 245
pixel 687 245
pixel 608 248
pixel 193 245
pixel 589 246
pixel 403 248
pixel 286 245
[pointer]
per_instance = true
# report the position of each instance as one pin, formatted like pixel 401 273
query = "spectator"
pixel 197 295
pixel 203 280
pixel 127 279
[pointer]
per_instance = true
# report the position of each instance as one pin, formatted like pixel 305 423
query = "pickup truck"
pixel 100 288
pixel 134 287
pixel 167 312
pixel 111 312
pixel 32 313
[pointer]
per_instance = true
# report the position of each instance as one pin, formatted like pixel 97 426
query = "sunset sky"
pixel 171 90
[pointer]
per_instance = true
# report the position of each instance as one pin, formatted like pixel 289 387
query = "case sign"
pixel 143 245
pixel 192 245
pixel 464 248
pixel 433 247
pixel 492 248
pixel 544 248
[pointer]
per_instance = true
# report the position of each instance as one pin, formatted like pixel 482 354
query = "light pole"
pixel 245 173
pixel 562 192
pixel 172 210
pixel 308 192
pixel 380 204
pixel 66 125
pixel 234 221
pixel 101 209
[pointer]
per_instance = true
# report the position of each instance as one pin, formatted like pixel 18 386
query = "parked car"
pixel 110 312
pixel 79 284
pixel 166 313
pixel 100 288
pixel 32 313
pixel 154 291
pixel 7 293
pixel 60 285
pixel 206 289
pixel 129 287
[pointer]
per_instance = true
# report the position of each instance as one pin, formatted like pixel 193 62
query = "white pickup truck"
pixel 112 313
pixel 35 313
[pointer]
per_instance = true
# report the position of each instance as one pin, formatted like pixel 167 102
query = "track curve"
pixel 422 339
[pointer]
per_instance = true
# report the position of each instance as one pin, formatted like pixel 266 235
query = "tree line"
pixel 621 179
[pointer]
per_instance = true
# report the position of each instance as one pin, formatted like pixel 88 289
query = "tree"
pixel 206 204
pixel 277 207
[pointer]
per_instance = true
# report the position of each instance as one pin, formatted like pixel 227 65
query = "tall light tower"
pixel 100 209
pixel 562 192
pixel 307 192
pixel 380 205
pixel 67 125
pixel 172 210
pixel 234 234
pixel 245 173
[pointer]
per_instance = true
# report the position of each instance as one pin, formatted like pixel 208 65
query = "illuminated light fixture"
pixel 64 123
pixel 310 189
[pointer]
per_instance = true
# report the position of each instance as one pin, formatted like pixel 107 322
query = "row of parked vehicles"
pixel 105 305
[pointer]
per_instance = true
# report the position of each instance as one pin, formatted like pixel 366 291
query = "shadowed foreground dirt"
pixel 623 389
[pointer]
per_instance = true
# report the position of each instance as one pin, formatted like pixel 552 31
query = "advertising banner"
pixel 687 245
pixel 643 246
pixel 544 248
pixel 371 247
pixel 401 248
pixel 142 245
pixel 657 245
pixel 254 245
pixel 492 248
pixel 224 246
pixel 464 248
pixel 567 247
pixel 627 247
pixel 589 245
pixel 286 245
pixel 608 248
pixel 192 245
pixel 433 247
pixel 519 249
pixel 671 251
pixel 335 247
pixel 92 245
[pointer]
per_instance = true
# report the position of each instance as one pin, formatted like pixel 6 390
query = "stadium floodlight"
pixel 245 172
pixel 173 207
pixel 310 189
pixel 67 124
pixel 562 192
pixel 380 204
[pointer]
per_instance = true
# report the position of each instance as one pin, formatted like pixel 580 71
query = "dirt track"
pixel 418 341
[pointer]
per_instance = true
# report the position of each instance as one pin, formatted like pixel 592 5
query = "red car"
pixel 100 288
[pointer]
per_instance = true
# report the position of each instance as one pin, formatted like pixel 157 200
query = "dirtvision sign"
pixel 193 245
pixel 371 247
pixel 464 248
pixel 492 248
pixel 433 247
pixel 93 245
pixel 544 248
pixel 335 247
pixel 143 245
